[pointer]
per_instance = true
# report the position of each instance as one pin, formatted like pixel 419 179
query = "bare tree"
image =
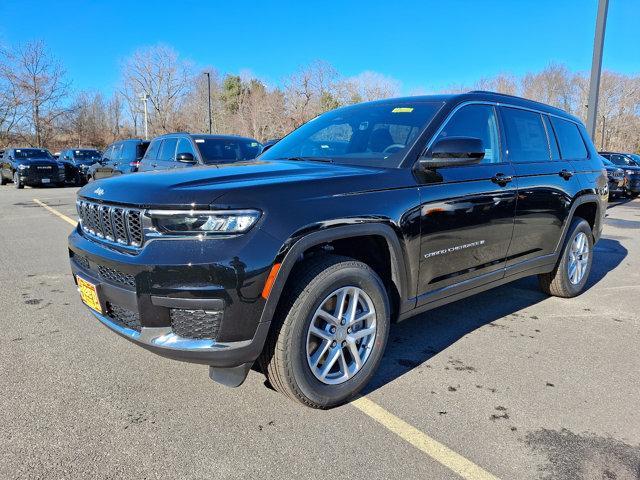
pixel 39 84
pixel 159 73
pixel 368 86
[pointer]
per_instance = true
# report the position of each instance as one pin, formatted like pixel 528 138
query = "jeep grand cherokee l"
pixel 299 260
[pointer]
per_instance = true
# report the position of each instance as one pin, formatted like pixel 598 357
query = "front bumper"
pixel 144 300
pixel 633 184
pixel 162 341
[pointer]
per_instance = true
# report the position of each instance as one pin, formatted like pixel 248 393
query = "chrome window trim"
pixel 494 104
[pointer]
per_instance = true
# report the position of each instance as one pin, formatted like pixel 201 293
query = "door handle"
pixel 154 165
pixel 566 174
pixel 501 179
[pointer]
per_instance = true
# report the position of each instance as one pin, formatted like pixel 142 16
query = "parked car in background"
pixel 76 163
pixel 615 176
pixel 179 150
pixel 30 166
pixel 119 158
pixel 630 162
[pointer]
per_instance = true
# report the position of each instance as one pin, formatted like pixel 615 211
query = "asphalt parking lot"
pixel 515 384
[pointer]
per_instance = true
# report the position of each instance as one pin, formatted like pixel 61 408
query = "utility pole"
pixel 596 67
pixel 602 145
pixel 209 94
pixel 144 97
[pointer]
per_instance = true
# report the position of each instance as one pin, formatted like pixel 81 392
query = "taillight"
pixel 135 164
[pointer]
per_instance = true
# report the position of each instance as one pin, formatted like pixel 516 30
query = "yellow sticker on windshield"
pixel 402 110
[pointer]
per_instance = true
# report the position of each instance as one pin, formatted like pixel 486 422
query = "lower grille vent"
pixel 124 317
pixel 198 324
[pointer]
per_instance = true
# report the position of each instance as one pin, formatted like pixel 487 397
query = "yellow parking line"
pixel 436 450
pixel 56 212
pixel 423 442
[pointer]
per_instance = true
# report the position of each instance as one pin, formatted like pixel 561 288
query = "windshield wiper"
pixel 308 159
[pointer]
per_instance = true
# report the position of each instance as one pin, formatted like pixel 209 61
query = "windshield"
pixel 375 134
pixel 32 153
pixel 86 154
pixel 635 158
pixel 621 160
pixel 227 150
pixel 607 162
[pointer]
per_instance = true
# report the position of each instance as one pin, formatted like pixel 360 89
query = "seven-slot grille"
pixel 114 224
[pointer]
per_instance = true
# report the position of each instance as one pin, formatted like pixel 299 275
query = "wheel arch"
pixel 583 204
pixel 294 249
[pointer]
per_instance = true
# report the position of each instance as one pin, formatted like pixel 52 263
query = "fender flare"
pixel 581 200
pixel 292 250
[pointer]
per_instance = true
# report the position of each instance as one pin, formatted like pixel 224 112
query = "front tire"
pixel 330 332
pixel 16 181
pixel 571 273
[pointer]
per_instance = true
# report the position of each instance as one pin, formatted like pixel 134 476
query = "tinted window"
pixel 168 149
pixel 225 150
pixel 32 153
pixel 184 146
pixel 129 152
pixel 526 137
pixel 477 121
pixel 571 143
pixel 141 148
pixel 85 154
pixel 152 150
pixel 117 152
pixel 553 143
pixel 378 133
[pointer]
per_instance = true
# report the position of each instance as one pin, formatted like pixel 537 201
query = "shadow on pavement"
pixel 414 341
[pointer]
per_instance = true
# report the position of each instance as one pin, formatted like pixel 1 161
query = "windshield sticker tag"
pixel 254 144
pixel 18 151
pixel 199 140
pixel 402 110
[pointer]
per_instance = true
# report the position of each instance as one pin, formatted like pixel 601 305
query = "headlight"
pixel 629 172
pixel 204 222
pixel 22 166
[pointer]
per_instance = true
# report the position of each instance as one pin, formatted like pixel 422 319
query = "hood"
pixel 200 186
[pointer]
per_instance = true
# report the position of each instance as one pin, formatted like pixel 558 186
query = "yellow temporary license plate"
pixel 89 294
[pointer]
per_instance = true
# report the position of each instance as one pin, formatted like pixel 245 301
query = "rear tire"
pixel 571 273
pixel 3 181
pixel 308 337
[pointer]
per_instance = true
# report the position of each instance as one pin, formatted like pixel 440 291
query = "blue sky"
pixel 425 45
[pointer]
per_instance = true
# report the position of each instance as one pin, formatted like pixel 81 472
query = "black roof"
pixel 209 136
pixel 479 95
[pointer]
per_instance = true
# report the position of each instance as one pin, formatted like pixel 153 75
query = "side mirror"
pixel 267 147
pixel 185 158
pixel 453 151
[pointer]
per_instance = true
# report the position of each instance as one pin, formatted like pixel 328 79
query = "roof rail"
pixel 496 93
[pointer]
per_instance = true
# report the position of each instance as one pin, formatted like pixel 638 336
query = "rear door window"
pixel 571 143
pixel 526 137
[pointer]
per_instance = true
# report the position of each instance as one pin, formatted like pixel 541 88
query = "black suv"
pixel 630 163
pixel 30 166
pixel 119 158
pixel 76 163
pixel 179 150
pixel 299 260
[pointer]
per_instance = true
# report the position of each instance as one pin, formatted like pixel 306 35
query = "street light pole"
pixel 596 67
pixel 209 94
pixel 144 99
